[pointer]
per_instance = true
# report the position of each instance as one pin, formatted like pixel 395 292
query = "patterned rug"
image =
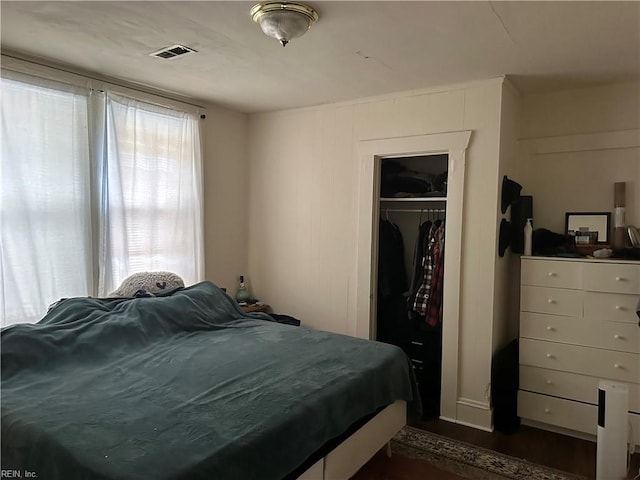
pixel 470 461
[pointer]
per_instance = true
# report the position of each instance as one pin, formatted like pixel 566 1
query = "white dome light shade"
pixel 283 20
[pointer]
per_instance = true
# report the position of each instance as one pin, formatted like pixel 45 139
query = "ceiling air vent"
pixel 172 52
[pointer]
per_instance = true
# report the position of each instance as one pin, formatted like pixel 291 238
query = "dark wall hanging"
pixel 510 192
pixel 504 240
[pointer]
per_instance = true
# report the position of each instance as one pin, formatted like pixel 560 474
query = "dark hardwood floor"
pixel 380 467
pixel 557 451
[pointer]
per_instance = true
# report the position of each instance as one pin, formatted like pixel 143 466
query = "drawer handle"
pixel 413 342
pixel 620 279
pixel 618 337
pixel 551 300
pixel 546 410
pixel 552 274
pixel 549 382
pixel 420 362
pixel 550 328
pixel 621 308
pixel 617 365
pixel 550 355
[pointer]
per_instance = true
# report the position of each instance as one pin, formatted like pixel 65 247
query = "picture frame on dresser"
pixel 588 228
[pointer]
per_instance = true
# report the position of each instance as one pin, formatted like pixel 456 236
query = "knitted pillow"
pixel 148 282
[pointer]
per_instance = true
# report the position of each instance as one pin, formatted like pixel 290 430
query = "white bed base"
pixel 348 457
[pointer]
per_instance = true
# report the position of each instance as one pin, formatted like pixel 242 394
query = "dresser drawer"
pixel 551 273
pixel 611 306
pixel 556 301
pixel 624 337
pixel 576 416
pixel 612 277
pixel 604 364
pixel 571 386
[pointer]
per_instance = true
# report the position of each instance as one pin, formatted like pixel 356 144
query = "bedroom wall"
pixel 574 145
pixel 507 295
pixel 303 212
pixel 226 188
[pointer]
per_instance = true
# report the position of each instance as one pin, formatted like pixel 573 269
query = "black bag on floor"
pixel 504 388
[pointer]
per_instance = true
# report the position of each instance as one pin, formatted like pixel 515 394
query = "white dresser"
pixel 577 326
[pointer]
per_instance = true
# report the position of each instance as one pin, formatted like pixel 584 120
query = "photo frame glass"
pixel 588 228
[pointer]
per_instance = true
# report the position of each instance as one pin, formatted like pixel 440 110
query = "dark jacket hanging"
pixel 392 277
pixel 392 284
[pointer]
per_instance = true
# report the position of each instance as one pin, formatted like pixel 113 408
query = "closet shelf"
pixel 416 210
pixel 412 199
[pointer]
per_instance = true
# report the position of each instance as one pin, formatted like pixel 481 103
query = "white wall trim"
pixel 370 152
pixel 474 414
pixel 583 142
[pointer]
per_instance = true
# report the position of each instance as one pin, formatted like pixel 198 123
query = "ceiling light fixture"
pixel 283 20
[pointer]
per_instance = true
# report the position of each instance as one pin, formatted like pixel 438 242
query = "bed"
pixel 186 385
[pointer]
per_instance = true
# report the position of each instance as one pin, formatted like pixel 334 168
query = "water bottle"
pixel 528 234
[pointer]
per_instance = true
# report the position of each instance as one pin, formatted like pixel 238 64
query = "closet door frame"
pixel 371 153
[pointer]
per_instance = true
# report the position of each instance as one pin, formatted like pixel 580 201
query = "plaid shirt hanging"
pixel 434 303
pixel 422 295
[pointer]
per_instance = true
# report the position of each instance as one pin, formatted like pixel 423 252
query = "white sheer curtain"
pixel 93 187
pixel 154 179
pixel 45 218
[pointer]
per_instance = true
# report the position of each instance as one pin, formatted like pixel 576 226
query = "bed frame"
pixel 348 457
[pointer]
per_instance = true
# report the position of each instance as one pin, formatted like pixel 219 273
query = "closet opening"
pixel 412 207
pixel 371 153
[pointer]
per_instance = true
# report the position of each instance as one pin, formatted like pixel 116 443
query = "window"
pixel 154 167
pixel 93 188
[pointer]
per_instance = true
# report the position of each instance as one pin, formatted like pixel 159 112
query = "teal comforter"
pixel 183 386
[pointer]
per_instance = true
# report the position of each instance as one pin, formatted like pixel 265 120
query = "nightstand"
pixel 256 307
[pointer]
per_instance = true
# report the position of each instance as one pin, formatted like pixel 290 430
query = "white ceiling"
pixel 357 49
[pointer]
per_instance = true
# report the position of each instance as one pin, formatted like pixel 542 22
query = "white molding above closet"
pixel 370 153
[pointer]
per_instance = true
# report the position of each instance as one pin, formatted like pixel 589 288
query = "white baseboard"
pixel 472 413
